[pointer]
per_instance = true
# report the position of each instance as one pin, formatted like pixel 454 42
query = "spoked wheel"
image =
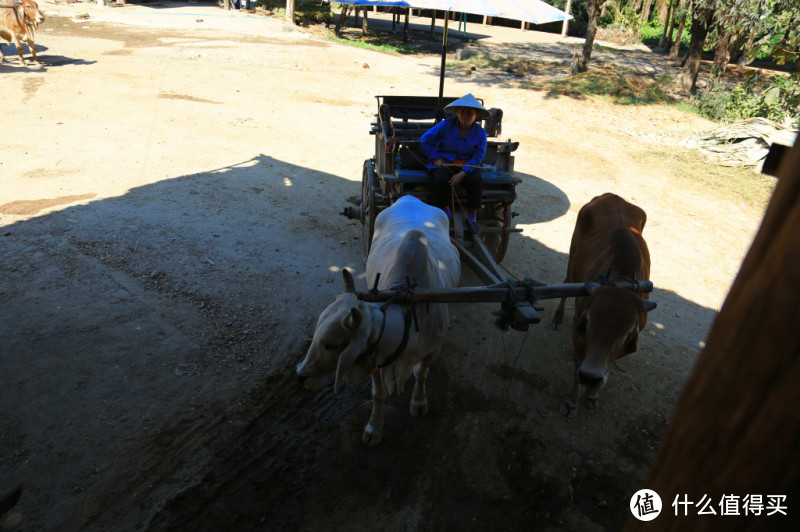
pixel 368 208
pixel 495 230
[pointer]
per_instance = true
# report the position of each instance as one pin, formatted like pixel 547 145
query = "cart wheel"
pixel 368 207
pixel 495 239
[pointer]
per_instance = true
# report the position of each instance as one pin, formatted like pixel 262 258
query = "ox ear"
pixel 357 346
pixel 581 322
pixel 349 283
pixel 647 306
pixel 632 343
pixel 352 319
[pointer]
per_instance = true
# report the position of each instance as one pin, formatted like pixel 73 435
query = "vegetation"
pixel 741 184
pixel 373 44
pixel 779 101
pixel 608 81
pixel 305 14
pixel 620 85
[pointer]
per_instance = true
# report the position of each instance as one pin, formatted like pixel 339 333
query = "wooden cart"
pixel 399 168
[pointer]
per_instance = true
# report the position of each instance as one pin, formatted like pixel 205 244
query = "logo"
pixel 645 505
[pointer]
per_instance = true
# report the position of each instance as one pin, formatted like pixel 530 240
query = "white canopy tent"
pixel 531 11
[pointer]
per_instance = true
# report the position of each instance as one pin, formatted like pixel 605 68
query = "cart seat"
pixel 418 177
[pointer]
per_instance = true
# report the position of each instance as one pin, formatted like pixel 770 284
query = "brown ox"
pixel 18 22
pixel 607 244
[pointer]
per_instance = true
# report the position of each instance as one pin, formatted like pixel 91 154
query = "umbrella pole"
pixel 444 57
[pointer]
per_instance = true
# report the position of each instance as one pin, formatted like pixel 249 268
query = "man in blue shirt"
pixel 455 148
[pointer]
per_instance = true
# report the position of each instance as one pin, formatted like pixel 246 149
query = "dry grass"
pixel 739 184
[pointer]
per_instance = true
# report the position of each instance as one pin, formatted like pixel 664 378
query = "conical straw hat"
pixel 468 101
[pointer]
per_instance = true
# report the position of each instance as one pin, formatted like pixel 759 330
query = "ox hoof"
pixel 590 403
pixel 371 436
pixel 569 409
pixel 419 408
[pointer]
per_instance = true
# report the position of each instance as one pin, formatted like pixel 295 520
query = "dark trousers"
pixel 473 183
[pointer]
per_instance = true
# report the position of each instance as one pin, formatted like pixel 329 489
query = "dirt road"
pixel 170 232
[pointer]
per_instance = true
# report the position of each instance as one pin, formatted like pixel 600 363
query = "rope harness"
pixel 607 280
pixel 507 308
pixel 409 317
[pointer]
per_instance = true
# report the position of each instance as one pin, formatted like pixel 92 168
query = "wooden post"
pixel 405 26
pixel 341 21
pixel 566 22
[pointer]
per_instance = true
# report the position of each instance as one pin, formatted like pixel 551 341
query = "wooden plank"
pixel 468 259
pixel 485 257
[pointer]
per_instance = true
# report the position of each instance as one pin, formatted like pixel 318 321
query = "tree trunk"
pixel 646 11
pixel 290 11
pixel 675 50
pixel 722 55
pixel 742 62
pixel 687 78
pixel 735 47
pixel 342 19
pixel 582 63
pixel 663 10
pixel 433 25
pixel 673 17
pixel 662 42
pixel 364 23
pixel 405 26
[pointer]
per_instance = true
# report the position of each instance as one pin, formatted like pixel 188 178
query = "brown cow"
pixel 18 22
pixel 607 244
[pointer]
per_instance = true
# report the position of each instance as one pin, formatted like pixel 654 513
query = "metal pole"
pixel 444 57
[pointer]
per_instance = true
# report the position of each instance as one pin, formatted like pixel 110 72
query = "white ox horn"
pixel 349 283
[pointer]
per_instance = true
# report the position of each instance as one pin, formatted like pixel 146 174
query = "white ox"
pixel 354 339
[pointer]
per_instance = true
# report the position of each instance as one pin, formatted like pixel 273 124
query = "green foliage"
pixel 779 101
pixel 387 48
pixel 650 34
pixel 305 14
pixel 781 30
pixel 621 15
pixel 579 11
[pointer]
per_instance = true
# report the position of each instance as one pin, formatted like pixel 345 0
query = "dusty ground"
pixel 170 232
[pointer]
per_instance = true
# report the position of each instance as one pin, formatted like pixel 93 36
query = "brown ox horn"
pixel 647 306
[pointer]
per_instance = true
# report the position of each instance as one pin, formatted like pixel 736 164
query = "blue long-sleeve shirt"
pixel 444 141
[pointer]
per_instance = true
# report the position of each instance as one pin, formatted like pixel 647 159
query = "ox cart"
pixel 399 168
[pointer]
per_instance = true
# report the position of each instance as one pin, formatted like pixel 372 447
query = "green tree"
pixel 780 32
pixel 581 63
pixel 702 18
